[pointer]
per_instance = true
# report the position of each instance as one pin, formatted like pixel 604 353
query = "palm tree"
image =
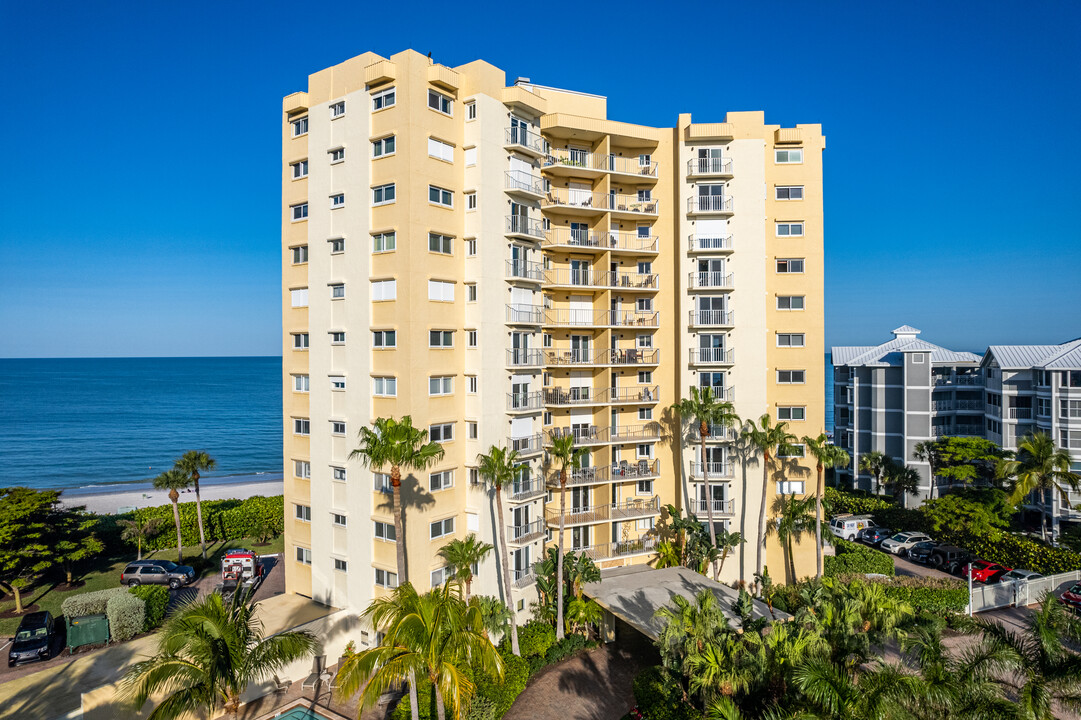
pixel 826 455
pixel 462 555
pixel 136 531
pixel 436 635
pixel 1039 467
pixel 190 463
pixel 569 456
pixel 768 439
pixel 580 569
pixel 928 451
pixel 874 462
pixel 688 627
pixel 840 692
pixel 746 450
pixel 498 468
pixel 398 444
pixel 208 653
pixel 704 408
pixel 792 520
pixel 902 481
pixel 726 541
pixel 173 481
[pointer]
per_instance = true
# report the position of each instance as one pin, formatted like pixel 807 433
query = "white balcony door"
pixel 519 129
pixel 580 348
pixel 579 272
pixel 578 193
pixel 579 156
pixel 710 271
pixel 579 233
pixel 580 537
pixel 579 499
pixel 522 560
pixel 521 515
pixel 581 310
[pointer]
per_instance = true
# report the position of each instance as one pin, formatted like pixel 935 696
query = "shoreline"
pixel 124 497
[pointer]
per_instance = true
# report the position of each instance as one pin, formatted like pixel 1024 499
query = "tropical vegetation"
pixel 498 467
pixel 568 456
pixel 827 457
pixel 1039 468
pixel 191 464
pixel 771 441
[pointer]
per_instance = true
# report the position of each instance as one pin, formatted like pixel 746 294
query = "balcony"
pixel 1020 413
pixel 577 202
pixel 959 379
pixel 956 430
pixel 620 548
pixel 523 491
pixel 559 397
pixel 577 163
pixel 522 183
pixel 624 471
pixel 523 577
pixel 582 278
pixel 586 515
pixel 588 317
pixel 525 402
pixel 525 358
pixel 710 205
pixel 522 534
pixel 724 508
pixel 582 241
pixel 556 357
pixel 715 469
pixel 518 314
pixel 528 445
pixel 712 166
pixel 525 270
pixel 525 227
pixel 621 165
pixel 712 356
pixel 632 205
pixel 710 280
pixel 593 435
pixel 717 433
pixel 524 140
pixel 711 318
pixel 629 318
pixel 969 405
pixel 709 243
pixel 634 281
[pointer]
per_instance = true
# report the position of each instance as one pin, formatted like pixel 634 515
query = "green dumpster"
pixel 87 630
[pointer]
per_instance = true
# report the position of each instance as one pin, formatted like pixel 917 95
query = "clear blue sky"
pixel 141 188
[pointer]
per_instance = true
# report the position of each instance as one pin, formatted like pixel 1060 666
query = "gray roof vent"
pixel 521 80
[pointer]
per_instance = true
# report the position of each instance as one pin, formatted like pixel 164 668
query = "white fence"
pixel 1008 594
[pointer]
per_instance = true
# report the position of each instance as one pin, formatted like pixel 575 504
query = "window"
pixel 302 468
pixel 471 110
pixel 645 161
pixel 338 473
pixel 789 192
pixel 440 150
pixel 644 305
pixel 300 254
pixel 385 531
pixel 441 480
pixel 471 338
pixel 340 565
pixel 303 512
pixel 386 578
pixel 440 243
pixel 384 339
pixel 471 430
pixel 299 212
pixel 471 247
pixel 300 341
pixel 300 169
pixel 337 245
pixel 443 432
pixel 440 291
pixel 298 297
pixel 440 338
pixel 337 109
pixel 383 99
pixel 645 487
pixel 645 451
pixel 790 229
pixel 644 195
pixel 441 528
pixel 440 196
pixel 792 156
pixel 790 265
pixel 337 291
pixel 439 101
pixel 382 483
pixel 384 290
pixel 789 339
pixel 385 386
pixel 300 126
pixel 337 337
pixel 304 555
pixel 384 242
pixel 643 524
pixel 789 302
pixel 791 377
pixel 337 427
pixel 301 383
pixel 470 157
pixel 645 413
pixel 337 155
pixel 442 575
pixel 383 194
pixel 302 426
pixel 383 147
pixel 470 201
pixel 792 413
pixel 645 377
pixel 1043 406
pixel 1066 409
pixel 471 384
pixel 470 292
pixel 643 341
pixel 917 358
pixel 790 487
pixel 440 385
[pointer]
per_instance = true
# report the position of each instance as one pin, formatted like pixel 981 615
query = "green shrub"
pixel 1018 551
pixel 534 638
pixel 852 558
pixel 659 696
pixel 902 520
pixel 938 596
pixel 481 709
pixel 839 501
pixel 89 603
pixel 156 599
pixel 503 693
pixel 222 520
pixel 566 647
pixel 425 703
pixel 127 616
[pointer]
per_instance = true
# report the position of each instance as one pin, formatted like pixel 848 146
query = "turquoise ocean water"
pixel 91 424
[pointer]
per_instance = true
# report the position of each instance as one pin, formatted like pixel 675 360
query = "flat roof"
pixel 635 593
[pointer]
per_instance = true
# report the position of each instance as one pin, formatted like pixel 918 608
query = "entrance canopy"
pixel 635 593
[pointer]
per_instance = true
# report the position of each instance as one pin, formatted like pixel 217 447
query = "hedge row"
pixel 839 502
pixel 89 603
pixel 935 595
pixel 222 520
pixel 156 599
pixel 852 558
pixel 127 616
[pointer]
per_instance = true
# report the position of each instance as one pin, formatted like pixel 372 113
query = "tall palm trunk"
pixel 505 562
pixel 399 530
pixel 762 514
pixel 175 496
pixel 414 704
pixel 559 566
pixel 818 523
pixel 703 433
pixel 743 522
pixel 440 708
pixel 199 511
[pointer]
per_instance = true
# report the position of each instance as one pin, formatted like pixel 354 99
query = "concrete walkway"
pixel 57 691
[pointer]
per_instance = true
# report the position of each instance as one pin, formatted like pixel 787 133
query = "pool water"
pixel 300 714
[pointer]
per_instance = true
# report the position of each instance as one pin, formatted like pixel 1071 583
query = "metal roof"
pixel 890 354
pixel 1066 356
pixel 906 330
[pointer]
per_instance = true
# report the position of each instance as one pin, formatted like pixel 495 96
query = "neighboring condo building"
pixel 504 263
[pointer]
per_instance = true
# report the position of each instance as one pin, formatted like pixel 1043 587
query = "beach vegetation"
pixel 499 467
pixel 27 549
pixel 139 531
pixel 258 518
pixel 191 463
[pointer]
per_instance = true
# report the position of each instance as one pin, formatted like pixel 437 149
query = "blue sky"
pixel 142 149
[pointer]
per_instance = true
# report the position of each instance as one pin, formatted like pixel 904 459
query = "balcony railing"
pixel 525 401
pixel 632 204
pixel 1020 413
pixel 625 318
pixel 969 405
pixel 709 243
pixel 612 240
pixel 524 577
pixel 519 534
pixel 528 445
pixel 968 379
pixel 588 317
pixel 629 356
pixel 620 472
pixel 593 435
pixel 710 280
pixel 572 198
pixel 640 281
pixel 569 158
pixel 709 166
pixel 620 548
pixel 717 433
pixel 712 356
pixel 518 314
pixel 595 396
pixel 525 357
pixel 716 469
pixel 603 513
pixel 526 139
pixel 579 278
pixel 709 204
pixel 525 270
pixel 626 165
pixel 525 225
pixel 711 317
pixel 720 507
pixel 522 491
pixel 958 430
pixel 521 180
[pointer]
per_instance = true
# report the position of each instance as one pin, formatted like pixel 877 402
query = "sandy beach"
pixel 111 501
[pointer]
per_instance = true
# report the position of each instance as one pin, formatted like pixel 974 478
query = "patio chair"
pixel 643 467
pixel 623 467
pixel 280 686
pixel 318 667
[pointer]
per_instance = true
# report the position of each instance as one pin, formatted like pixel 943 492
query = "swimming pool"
pixel 300 714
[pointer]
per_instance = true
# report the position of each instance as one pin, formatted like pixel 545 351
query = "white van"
pixel 848 526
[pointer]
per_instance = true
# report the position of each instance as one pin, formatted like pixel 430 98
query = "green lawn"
pixel 105 573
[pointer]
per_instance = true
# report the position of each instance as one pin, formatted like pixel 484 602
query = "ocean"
pixel 96 423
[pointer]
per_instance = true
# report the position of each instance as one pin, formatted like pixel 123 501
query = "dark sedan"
pixel 921 552
pixel 874 536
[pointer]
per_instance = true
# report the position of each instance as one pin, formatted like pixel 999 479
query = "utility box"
pixel 87 630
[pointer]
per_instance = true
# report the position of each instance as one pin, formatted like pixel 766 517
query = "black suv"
pixel 34 639
pixel 950 558
pixel 921 551
pixel 156 572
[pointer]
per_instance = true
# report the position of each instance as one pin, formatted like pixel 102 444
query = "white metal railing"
pixel 717 433
pixel 700 279
pixel 720 507
pixel 524 225
pixel 632 204
pixel 521 180
pixel 573 198
pixel 569 158
pixel 519 491
pixel 623 318
pixel 709 204
pixel 519 314
pixel 524 357
pixel 640 281
pixel 525 533
pixel 626 165
pixel 709 166
pixel 617 472
pixel 704 243
pixel 589 317
pixel 959 379
pixel 628 356
pixel 593 435
pixel 528 445
pixel 525 138
pixel 726 394
pixel 525 401
pixel 593 396
pixel 620 548
pixel 1020 413
pixel 712 356
pixel 525 269
pixel 612 240
pixel 601 513
pixel 716 469
pixel 711 317
pixel 584 277
pixel 523 577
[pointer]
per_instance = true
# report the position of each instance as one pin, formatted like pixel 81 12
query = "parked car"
pixel 984 571
pixel 156 572
pixel 900 543
pixel 1072 597
pixel 1020 576
pixel 848 526
pixel 921 552
pixel 949 558
pixel 33 640
pixel 873 536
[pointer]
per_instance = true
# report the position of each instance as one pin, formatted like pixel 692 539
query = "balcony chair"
pixel 319 663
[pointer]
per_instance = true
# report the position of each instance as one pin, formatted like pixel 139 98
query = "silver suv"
pixel 156 572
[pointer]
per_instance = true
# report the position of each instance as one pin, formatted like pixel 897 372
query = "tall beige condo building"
pixel 504 263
